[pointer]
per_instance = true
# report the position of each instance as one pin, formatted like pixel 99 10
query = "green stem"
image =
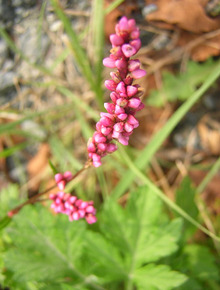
pixel 144 158
pixel 209 176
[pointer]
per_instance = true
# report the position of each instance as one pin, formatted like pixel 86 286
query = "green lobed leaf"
pixel 107 262
pixel 47 247
pixel 153 277
pixel 140 232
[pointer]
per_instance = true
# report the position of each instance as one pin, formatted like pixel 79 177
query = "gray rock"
pixel 6 80
pixel 3 52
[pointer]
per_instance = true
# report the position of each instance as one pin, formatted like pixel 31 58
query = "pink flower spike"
pixel 128 50
pixel 109 62
pixel 138 73
pixel 116 40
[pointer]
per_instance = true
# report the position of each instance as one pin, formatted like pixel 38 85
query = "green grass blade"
pixel 98 44
pixel 79 53
pixel 214 169
pixel 145 156
pixel 113 5
pixel 9 151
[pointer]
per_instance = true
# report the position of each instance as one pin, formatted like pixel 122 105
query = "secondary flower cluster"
pixel 69 204
pixel 119 121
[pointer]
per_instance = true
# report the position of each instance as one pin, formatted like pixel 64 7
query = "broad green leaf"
pixel 140 232
pixel 9 198
pixel 47 247
pixel 107 262
pixel 153 277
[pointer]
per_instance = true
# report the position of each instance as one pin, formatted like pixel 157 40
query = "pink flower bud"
pixel 119 110
pixel 109 62
pixel 72 199
pixel 91 147
pixel 116 77
pixel 122 116
pixel 116 40
pixel 123 24
pixel 119 127
pixel 133 64
pixel 102 146
pixel 121 64
pixel 110 85
pixel 109 107
pixel 128 50
pixel 122 103
pixel 123 139
pixel 111 147
pixel 131 90
pixel 99 138
pixel 136 44
pixel 107 122
pixel 131 120
pixel 135 34
pixel 58 177
pixel 67 175
pixel 128 127
pixel 114 96
pixel 106 130
pixel 121 88
pixel 138 73
pixel 134 103
pixel 91 219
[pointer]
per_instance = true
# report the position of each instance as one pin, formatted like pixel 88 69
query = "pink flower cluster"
pixel 119 121
pixel 73 207
pixel 69 204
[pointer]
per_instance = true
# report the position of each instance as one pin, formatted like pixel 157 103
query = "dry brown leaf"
pixel 39 162
pixel 186 14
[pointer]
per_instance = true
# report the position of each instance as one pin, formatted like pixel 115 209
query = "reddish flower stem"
pixel 35 198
